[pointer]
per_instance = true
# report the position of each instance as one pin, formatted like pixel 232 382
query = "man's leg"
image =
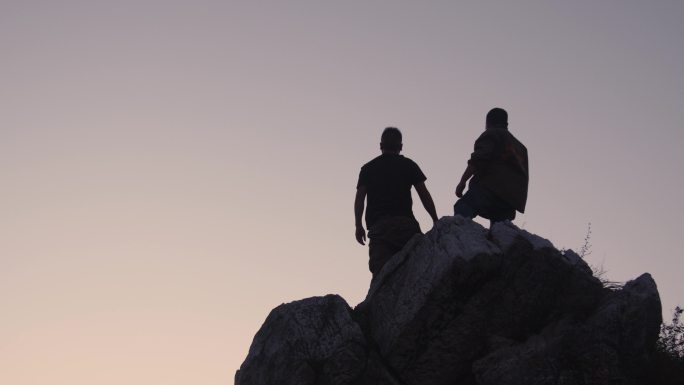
pixel 466 206
pixel 482 202
pixel 379 252
pixel 387 238
pixel 502 213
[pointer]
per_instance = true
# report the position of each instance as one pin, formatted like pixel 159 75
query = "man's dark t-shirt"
pixel 388 180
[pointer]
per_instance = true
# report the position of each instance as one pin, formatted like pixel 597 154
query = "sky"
pixel 173 170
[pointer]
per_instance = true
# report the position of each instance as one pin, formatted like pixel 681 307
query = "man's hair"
pixel 391 139
pixel 497 117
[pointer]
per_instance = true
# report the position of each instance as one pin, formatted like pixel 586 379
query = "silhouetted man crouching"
pixel 500 174
pixel 387 181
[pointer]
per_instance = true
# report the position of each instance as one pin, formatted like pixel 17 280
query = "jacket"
pixel 501 166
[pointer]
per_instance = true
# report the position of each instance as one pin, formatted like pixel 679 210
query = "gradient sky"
pixel 173 170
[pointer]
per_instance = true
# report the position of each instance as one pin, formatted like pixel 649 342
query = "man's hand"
pixel 426 199
pixel 358 212
pixel 469 172
pixel 459 189
pixel 360 234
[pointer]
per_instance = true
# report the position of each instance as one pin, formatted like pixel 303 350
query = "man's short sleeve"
pixel 416 174
pixel 363 178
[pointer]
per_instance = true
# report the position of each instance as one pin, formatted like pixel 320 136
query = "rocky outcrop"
pixel 464 305
pixel 312 341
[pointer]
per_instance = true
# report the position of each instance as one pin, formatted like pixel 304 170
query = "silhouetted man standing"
pixel 387 181
pixel 500 174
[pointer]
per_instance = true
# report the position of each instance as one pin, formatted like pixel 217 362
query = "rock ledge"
pixel 464 305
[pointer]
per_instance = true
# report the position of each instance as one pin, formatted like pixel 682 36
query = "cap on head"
pixel 390 139
pixel 497 117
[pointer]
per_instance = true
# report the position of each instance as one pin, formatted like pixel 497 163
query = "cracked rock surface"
pixel 464 305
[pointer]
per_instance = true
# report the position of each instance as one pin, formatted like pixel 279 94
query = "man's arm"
pixel 358 213
pixel 481 156
pixel 469 172
pixel 426 199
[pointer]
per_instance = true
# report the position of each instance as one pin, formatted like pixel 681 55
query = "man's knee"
pixel 464 209
pixel 379 254
pixel 387 238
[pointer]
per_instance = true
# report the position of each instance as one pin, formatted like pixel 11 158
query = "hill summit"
pixel 465 305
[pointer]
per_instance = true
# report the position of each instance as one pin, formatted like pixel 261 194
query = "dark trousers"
pixel 482 202
pixel 387 237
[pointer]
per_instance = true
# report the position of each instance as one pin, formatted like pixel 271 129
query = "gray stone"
pixel 465 305
pixel 311 341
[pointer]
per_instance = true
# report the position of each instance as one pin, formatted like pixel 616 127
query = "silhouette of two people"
pixel 498 167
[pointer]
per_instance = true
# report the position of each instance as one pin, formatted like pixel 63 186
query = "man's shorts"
pixel 480 201
pixel 387 237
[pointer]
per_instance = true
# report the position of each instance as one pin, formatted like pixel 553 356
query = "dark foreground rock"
pixel 312 341
pixel 461 305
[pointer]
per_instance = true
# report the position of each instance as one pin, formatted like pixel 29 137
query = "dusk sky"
pixel 173 170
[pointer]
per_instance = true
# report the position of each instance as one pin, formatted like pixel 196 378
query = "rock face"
pixel 463 305
pixel 312 341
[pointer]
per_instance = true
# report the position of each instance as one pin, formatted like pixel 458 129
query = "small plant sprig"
pixel 599 270
pixel 671 340
pixel 585 250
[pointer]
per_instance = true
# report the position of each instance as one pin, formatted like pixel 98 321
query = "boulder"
pixel 466 305
pixel 311 341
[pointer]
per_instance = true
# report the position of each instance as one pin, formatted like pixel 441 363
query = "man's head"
pixel 390 141
pixel 497 117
